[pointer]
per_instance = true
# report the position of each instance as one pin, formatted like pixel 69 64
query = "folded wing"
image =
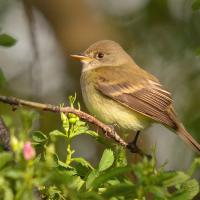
pixel 140 92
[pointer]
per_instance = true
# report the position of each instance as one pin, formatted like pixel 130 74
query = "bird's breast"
pixel 108 110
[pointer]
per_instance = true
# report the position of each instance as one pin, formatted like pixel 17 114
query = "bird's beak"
pixel 81 57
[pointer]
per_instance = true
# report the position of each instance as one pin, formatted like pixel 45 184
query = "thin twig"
pixel 108 131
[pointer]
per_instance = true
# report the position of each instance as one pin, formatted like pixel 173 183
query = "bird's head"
pixel 101 54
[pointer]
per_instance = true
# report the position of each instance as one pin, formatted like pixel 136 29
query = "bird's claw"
pixel 132 146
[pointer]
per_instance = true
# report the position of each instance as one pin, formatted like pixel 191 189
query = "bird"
pixel 117 91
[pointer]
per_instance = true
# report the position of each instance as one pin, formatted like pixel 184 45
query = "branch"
pixel 108 131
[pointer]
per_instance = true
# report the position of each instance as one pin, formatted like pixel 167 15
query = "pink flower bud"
pixel 28 151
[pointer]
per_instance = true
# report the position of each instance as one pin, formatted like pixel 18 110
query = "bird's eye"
pixel 100 55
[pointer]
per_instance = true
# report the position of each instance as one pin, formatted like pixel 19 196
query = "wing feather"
pixel 140 94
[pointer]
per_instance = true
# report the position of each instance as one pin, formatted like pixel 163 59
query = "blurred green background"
pixel 161 35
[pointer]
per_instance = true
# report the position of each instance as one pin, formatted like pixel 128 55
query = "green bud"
pixel 71 115
pixel 77 118
pixel 73 120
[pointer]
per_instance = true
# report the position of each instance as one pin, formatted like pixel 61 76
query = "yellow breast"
pixel 108 110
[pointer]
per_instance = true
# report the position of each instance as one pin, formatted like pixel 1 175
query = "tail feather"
pixel 183 133
pixel 185 136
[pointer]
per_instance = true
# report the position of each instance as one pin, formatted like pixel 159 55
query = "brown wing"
pixel 138 90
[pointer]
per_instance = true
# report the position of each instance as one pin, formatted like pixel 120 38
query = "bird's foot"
pixel 132 146
pixel 112 127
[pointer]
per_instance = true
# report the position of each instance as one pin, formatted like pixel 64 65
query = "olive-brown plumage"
pixel 118 91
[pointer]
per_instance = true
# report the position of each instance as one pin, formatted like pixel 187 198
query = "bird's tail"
pixel 183 133
pixel 185 136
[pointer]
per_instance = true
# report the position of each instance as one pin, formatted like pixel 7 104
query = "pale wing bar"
pixel 151 100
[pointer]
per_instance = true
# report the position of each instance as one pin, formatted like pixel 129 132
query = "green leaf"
pixel 80 127
pixel 178 178
pixel 196 5
pixel 120 156
pixel 107 160
pixel 160 192
pixel 78 131
pixel 122 189
pixel 8 194
pixel 61 165
pixel 110 174
pixel 90 196
pixel 91 133
pixel 189 190
pixel 53 191
pixel 77 183
pixel 39 137
pixel 195 165
pixel 56 133
pixel 83 162
pixel 13 174
pixel 7 40
pixel 2 78
pixel 5 157
pixel 94 174
pixel 81 170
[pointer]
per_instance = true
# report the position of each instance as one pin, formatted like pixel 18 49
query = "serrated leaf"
pixel 57 133
pixel 107 160
pixel 83 162
pixel 54 192
pixel 188 191
pixel 110 174
pixel 121 189
pixel 39 137
pixel 178 178
pixel 81 170
pixel 79 131
pixel 7 40
pixel 61 165
pixel 120 156
pixel 191 187
pixel 5 157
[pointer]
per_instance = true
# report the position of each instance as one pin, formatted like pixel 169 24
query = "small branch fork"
pixel 108 131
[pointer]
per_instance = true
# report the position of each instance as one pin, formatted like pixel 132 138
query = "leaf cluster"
pixel 46 176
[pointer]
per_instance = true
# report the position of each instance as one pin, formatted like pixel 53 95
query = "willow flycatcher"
pixel 117 91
